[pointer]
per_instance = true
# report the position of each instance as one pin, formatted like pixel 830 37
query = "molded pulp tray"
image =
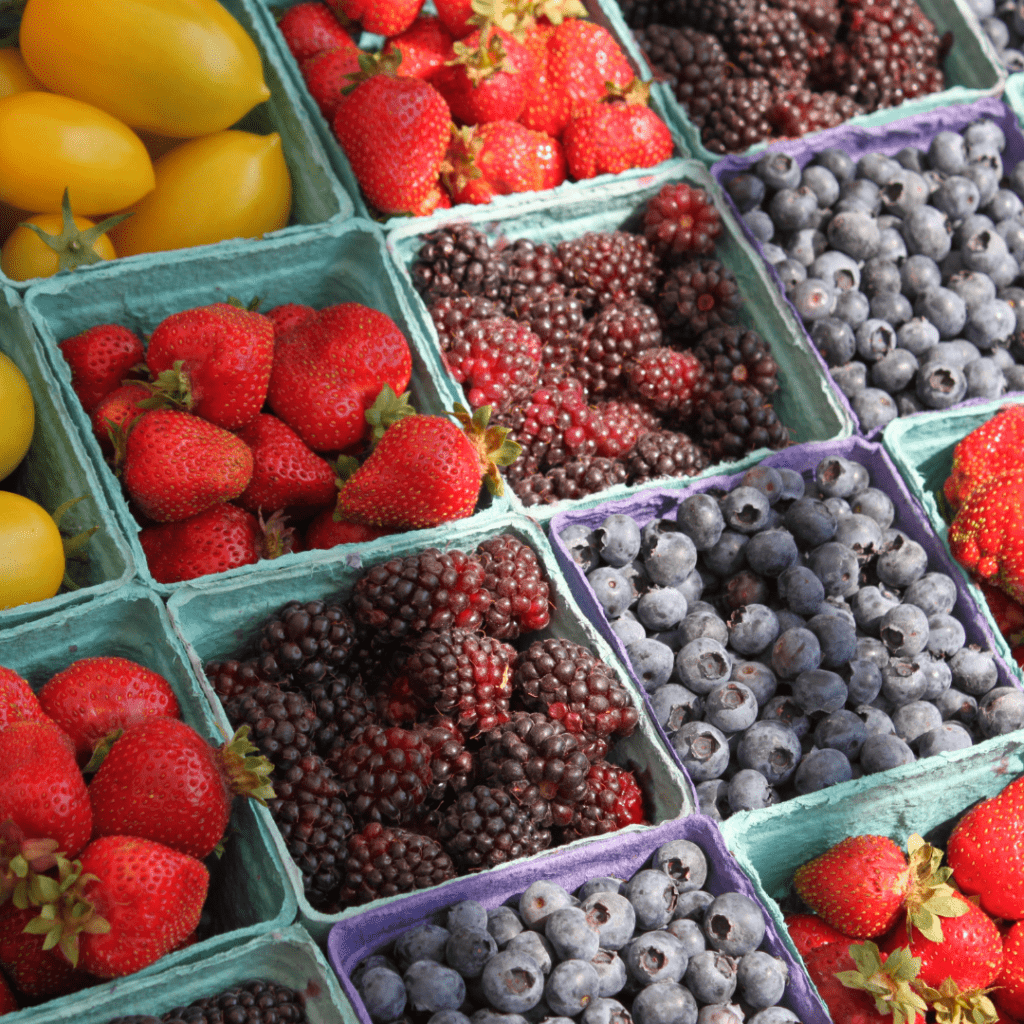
pixel 317 195
pixel 619 856
pixel 889 139
pixel 224 620
pixel 806 400
pixel 664 503
pixel 973 71
pixel 248 891
pixel 57 469
pixel 286 956
pixel 338 262
pixel 922 448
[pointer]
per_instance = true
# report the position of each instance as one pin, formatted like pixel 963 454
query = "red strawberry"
pixel 382 17
pixel 394 132
pixel 1009 986
pixel 114 414
pixel 328 73
pixel 990 449
pixel 330 369
pixel 178 465
pixel 1009 615
pixel 99 359
pixel 36 972
pixel 311 28
pixel 18 702
pixel 808 931
pixel 324 532
pixel 456 16
pixel 288 315
pixel 426 470
pixel 424 47
pixel 225 354
pixel 8 1004
pixel 94 697
pixel 546 108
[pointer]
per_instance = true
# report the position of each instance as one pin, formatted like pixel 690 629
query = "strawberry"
pixel 99 358
pixel 808 931
pixel 18 701
pixel 328 73
pixel 95 697
pixel 114 414
pixel 324 532
pixel 163 781
pixel 382 17
pixel 995 446
pixel 424 47
pixel 987 535
pixel 36 972
pixel 330 369
pixel 311 28
pixel 1009 615
pixel 394 132
pixel 426 470
pixel 178 465
pixel 8 1004
pixel 217 358
pixel 288 315
pixel 1009 986
pixel 456 16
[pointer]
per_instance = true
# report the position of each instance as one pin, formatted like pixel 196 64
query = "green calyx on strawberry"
pixel 246 775
pixel 492 444
pixel 387 409
pixel 371 64
pixel 889 983
pixel 931 897
pixel 22 866
pixel 73 246
pixel 483 59
pixel 952 1006
pixel 517 16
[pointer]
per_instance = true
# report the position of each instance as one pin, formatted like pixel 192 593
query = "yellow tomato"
pixel 50 143
pixel 17 417
pixel 31 552
pixel 14 73
pixel 228 185
pixel 174 67
pixel 10 218
pixel 26 255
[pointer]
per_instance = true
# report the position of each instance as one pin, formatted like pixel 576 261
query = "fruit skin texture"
pixel 25 255
pixel 18 701
pixel 851 1006
pixel 117 411
pixel 99 359
pixel 808 932
pixel 992 448
pixel 178 465
pixel 36 972
pixel 14 73
pixel 311 28
pixel 1009 993
pixel 33 551
pixel 326 75
pixel 608 138
pixel 173 69
pixel 424 46
pixel 324 532
pixel 94 696
pixel 875 880
pixel 383 17
pixel 17 418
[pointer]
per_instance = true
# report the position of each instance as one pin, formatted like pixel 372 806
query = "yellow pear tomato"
pixel 181 68
pixel 26 255
pixel 31 552
pixel 228 185
pixel 17 416
pixel 49 143
pixel 14 73
pixel 10 218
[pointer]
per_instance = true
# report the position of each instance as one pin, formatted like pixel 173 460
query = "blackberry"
pixel 796 112
pixel 682 219
pixel 589 475
pixel 737 355
pixel 342 705
pixel 737 420
pixel 625 421
pixel 556 320
pixel 452 766
pixel 821 18
pixel 515 580
pixel 535 489
pixel 617 334
pixel 696 295
pixel 612 800
pixel 305 641
pixel 381 862
pixel 282 724
pixel 230 679
pixel 485 827
pixel 457 260
pixel 741 120
pixel 607 266
pixel 639 14
pixel 531 272
pixel 770 43
pixel 255 1002
pixel 668 381
pixel 662 453
pixel 373 653
pixel 717 16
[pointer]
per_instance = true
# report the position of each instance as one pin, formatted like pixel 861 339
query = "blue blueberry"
pixel 985 131
pixel 618 540
pixel 689 933
pixel 892 307
pixel 882 752
pixel 853 307
pixel 841 730
pixel 605 1010
pixel 752 628
pixel 946 737
pixel 912 158
pixel 894 371
pixel 383 993
pixel 837 638
pixel 601 883
pixel 947 152
pixel 917 336
pixel 661 608
pixel 421 942
pixel 928 233
pixel 934 593
pixel 746 190
pixel 813 298
pixel 468 949
pixel 777 170
pixel 904 630
pixel 571 986
pixel 834 339
pixel 540 899
pixel 876 721
pixel 612 590
pixel 837 567
pixel 670 559
pixel 684 862
pixel 974 671
pixel 792 208
pixel 772 748
pixel 703 750
pixel 535 946
pixel 795 651
pixel 504 923
pixel 957 197
pixel 512 982
pixel 749 791
pixel 628 629
pixel 711 977
pixel 579 542
pixel 903 682
pixel 784 709
pixel 915 719
pixel 713 798
pixel 700 518
pixel 861 195
pixel 838 161
pixel 652 662
pixel 864 683
pixel 432 987
pixel 819 691
pixel 839 271
pixel 655 956
pixel 944 309
pixel 902 562
pixel 761 979
pixel 822 182
pixel 774 1015
pixel 821 769
pixel 667 1002
pixel 674 705
pixel 800 590
pixel 860 533
pixel 854 232
pixel 730 707
pixel 984 251
pixel 760 225
pixel 704 622
pixel 984 379
pixel 572 934
pixel 757 677
pixel 702 664
pixel 718 1013
pixel 611 973
pixel 745 509
pixel 938 676
pixel 466 914
pixel 653 894
pixel 734 924
pixel 810 522
pixel 945 635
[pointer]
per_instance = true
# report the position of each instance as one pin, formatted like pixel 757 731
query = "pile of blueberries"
pixel 790 637
pixel 656 949
pixel 1003 23
pixel 904 269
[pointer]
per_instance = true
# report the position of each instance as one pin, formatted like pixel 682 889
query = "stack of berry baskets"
pixel 729 92
pixel 618 361
pixel 905 275
pixel 607 764
pixel 121 648
pixel 344 263
pixel 659 888
pixel 56 470
pixel 825 632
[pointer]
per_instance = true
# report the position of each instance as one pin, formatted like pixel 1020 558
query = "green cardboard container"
pixel 223 621
pixel 57 469
pixel 806 401
pixel 343 261
pixel 317 194
pixel 286 955
pixel 249 894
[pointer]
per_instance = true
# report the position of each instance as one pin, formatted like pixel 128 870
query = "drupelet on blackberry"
pixel 303 642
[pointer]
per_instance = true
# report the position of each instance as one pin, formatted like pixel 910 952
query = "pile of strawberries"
pixel 230 429
pixel 943 941
pixel 483 99
pixel 99 879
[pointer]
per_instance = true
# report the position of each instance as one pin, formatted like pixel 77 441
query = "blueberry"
pixel 837 269
pixel 747 191
pixel 852 306
pixel 448 1017
pixel 765 479
pixel 612 590
pixel 512 982
pixel 990 323
pixel 836 637
pixel 761 979
pixel 652 662
pixel 862 195
pixel 432 987
pixel 912 158
pixel 661 608
pixel 1004 205
pixel 653 894
pixel 692 587
pixel 466 914
pixel 875 504
pixel 760 225
pixel 486 1015
pixel 860 533
pixel 878 276
pixel 917 336
pixel 904 630
pixel 580 543
pixel 777 170
pixel 915 719
pixel 734 924
pixel 770 747
pixel 865 681
pixel 892 307
pixel 684 862
pixel 984 251
pixel 711 977
pixel 749 791
pixel 805 246
pixel 957 197
pixel 945 635
pixel 571 986
pixel 902 562
pixel 540 899
pixel 928 233
pixel 383 993
pixel 810 522
pixel 854 232
pixel 731 707
pixel 834 339
pixel 628 629
pixel 700 518
pixel 822 182
pixel 974 671
pixel 572 934
pixel 791 272
pixel 836 566
pixel 618 540
pixel 670 559
pixel 934 593
pixel 611 973
pixel 655 956
pixel 919 273
pixel 877 167
pixel 882 752
pixel 874 339
pixel 943 308
pixel 870 604
pixel 975 289
pixel 718 1013
pixel 504 923
pixel 938 677
pixel 792 208
pixel 674 705
pixel 703 750
pixel 468 949
pixel 841 730
pixel 947 152
pixel 821 769
pixel 666 1002
pixel 534 945
pixel 1012 233
pixel 839 507
pixel 819 690
pixel 774 1015
pixel 421 942
pixel 813 298
pixel 713 798
pixel 688 932
pixel 795 651
pixel 374 960
pixel 958 352
pixel 946 737
pixel 757 677
pixel 601 883
pixel 704 622
pixel 985 173
pixel 838 161
pixel 903 682
pixel 752 628
pixel 786 710
pixel 876 721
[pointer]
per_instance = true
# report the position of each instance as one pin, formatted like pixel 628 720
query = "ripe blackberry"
pixel 516 581
pixel 737 355
pixel 485 827
pixel 770 43
pixel 741 120
pixel 589 475
pixel 373 653
pixel 556 320
pixel 669 381
pixel 795 112
pixel 535 489
pixel 456 260
pixel 452 766
pixel 625 420
pixel 462 674
pixel 342 705
pixel 282 724
pixel 715 16
pixel 452 314
pixel 609 266
pixel 381 862
pixel 255 1002
pixel 696 295
pixel 682 219
pixel 230 679
pixel 617 334
pixel 639 14
pixel 396 704
pixel 820 18
pixel 665 453
pixel 384 773
pixel 305 641
pixel 738 420
pixel 611 801
pixel 531 271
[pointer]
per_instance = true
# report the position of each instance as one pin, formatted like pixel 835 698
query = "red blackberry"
pixel 742 119
pixel 795 112
pixel 668 380
pixel 396 704
pixel 625 420
pixel 696 295
pixel 738 420
pixel 609 266
pixel 452 766
pixel 618 333
pixel 682 219
pixel 485 827
pixel 557 321
pixel 381 862
pixel 612 800
pixel 457 260
pixel 737 355
pixel 516 581
pixel 531 271
pixel 665 453
pixel 230 679
pixel 770 43
pixel 452 314
pixel 305 641
pixel 282 724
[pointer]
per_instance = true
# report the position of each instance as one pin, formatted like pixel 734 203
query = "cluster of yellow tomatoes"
pixel 127 108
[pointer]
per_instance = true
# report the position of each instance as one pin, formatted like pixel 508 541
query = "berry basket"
pixel 224 620
pixel 351 941
pixel 650 505
pixel 249 894
pixel 973 70
pixel 57 469
pixel 857 140
pixel 317 194
pixel 285 956
pixel 805 402
pixel 339 262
